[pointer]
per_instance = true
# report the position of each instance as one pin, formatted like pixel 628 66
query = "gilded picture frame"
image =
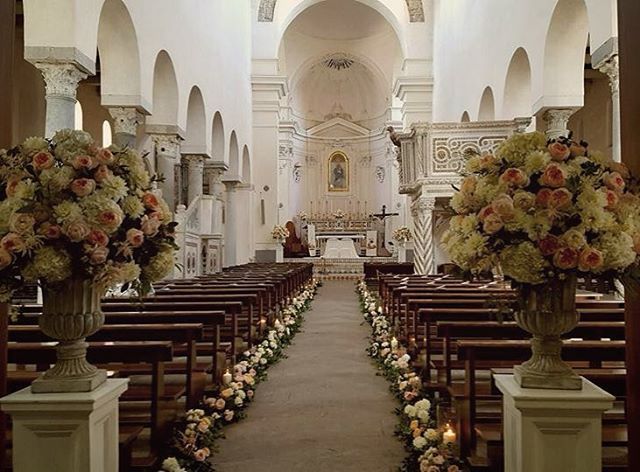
pixel 338 172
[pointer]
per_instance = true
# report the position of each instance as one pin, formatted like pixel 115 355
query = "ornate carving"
pixel 422 213
pixel 297 172
pixel 449 153
pixel 126 119
pixel 194 162
pixel 365 161
pixel 557 121
pixel 167 144
pixel 285 151
pixel 266 10
pixel 416 11
pixel 61 79
pixel 380 173
pixel 610 68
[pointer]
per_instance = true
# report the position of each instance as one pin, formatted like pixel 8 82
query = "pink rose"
pixel 76 231
pixel 201 455
pixel 203 426
pixel 503 206
pixel 83 187
pixel 97 238
pixel 104 156
pixel 486 211
pixel 135 237
pixel 549 245
pixel 558 151
pixel 553 176
pixel 566 258
pixel 99 255
pixel 408 396
pixel 150 225
pixel 560 199
pixel 590 259
pixel 469 184
pixel 492 224
pixel 612 199
pixel 110 219
pixel 12 242
pixel 614 181
pixel 220 404
pixel 151 201
pixel 82 162
pixel 102 173
pixel 542 197
pixel 50 231
pixel 5 259
pixel 515 177
pixel 42 160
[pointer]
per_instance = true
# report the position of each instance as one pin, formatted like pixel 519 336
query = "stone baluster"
pixel 195 175
pixel 167 147
pixel 61 83
pixel 611 69
pixel 125 125
pixel 557 120
pixel 422 212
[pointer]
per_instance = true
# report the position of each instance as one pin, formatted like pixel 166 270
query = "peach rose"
pixel 553 176
pixel 469 184
pixel 82 162
pixel 566 258
pixel 50 231
pixel 590 259
pixel 549 245
pixel 228 415
pixel 97 238
pixel 503 206
pixel 524 200
pixel 12 184
pixel 149 225
pixel 408 396
pixel 42 160
pixel 226 393
pixel 135 237
pixel 560 198
pixel 558 151
pixel 76 231
pixel 612 199
pixel 5 259
pixel 151 201
pixel 543 196
pixel 83 187
pixel 417 432
pixel 110 219
pixel 614 181
pixel 12 242
pixel 102 173
pixel 104 156
pixel 220 404
pixel 99 255
pixel 201 455
pixel 21 223
pixel 515 177
pixel 203 426
pixel 492 224
pixel 414 425
pixel 486 211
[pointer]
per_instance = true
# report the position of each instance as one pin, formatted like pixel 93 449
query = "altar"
pixel 339 245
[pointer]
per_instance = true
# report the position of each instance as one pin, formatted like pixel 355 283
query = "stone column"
pixel 610 68
pixel 195 176
pixel 416 94
pixel 61 82
pixel 125 125
pixel 422 212
pixel 557 120
pixel 245 219
pixel 216 189
pixel 231 224
pixel 167 148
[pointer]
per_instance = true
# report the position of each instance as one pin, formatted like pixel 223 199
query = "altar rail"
pixel 346 225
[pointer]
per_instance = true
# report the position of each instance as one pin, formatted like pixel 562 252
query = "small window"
pixel 77 117
pixel 106 134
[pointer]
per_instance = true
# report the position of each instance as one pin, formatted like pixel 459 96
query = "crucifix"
pixel 384 215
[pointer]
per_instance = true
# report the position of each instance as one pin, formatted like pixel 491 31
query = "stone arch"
pixel 217 138
pixel 465 117
pixel 78 116
pixel 196 140
pixel 234 155
pixel 246 165
pixel 119 55
pixel 517 87
pixel 564 50
pixel 487 110
pixel 165 91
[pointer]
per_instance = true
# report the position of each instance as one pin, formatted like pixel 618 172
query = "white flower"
pixel 423 404
pixel 410 411
pixel 419 443
pixel 423 416
pixel 431 434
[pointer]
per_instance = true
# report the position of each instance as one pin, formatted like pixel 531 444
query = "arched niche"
pixel 517 88
pixel 234 155
pixel 217 138
pixel 465 117
pixel 196 140
pixel 487 110
pixel 338 172
pixel 246 165
pixel 165 92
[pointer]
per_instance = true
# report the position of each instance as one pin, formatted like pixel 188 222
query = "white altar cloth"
pixel 343 248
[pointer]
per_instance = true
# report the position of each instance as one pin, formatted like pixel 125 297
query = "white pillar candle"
pixel 227 377
pixel 448 436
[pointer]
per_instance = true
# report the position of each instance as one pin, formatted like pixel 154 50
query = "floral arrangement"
pixel 72 210
pixel 339 214
pixel 430 448
pixel 303 215
pixel 196 436
pixel 402 234
pixel 544 210
pixel 279 233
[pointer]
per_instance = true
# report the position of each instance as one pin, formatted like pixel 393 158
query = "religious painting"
pixel 338 172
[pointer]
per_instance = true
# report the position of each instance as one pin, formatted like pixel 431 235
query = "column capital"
pixel 610 67
pixel 126 119
pixel 61 79
pixel 422 204
pixel 194 160
pixel 166 144
pixel 557 120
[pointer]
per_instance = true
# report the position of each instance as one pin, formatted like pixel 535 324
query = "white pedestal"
pixel 402 254
pixel 70 432
pixel 279 253
pixel 552 430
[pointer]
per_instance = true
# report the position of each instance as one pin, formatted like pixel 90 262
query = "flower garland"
pixel 197 434
pixel 430 448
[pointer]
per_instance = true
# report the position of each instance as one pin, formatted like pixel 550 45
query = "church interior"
pixel 186 187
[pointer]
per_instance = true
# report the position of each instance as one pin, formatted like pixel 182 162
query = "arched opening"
pixel 517 89
pixel 107 134
pixel 246 165
pixel 77 117
pixel 217 140
pixel 487 111
pixel 119 55
pixel 564 53
pixel 234 155
pixel 165 92
pixel 465 117
pixel 196 140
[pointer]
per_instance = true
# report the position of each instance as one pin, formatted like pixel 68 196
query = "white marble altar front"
pixel 340 246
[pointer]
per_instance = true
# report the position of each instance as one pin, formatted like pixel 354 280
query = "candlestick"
pixel 227 377
pixel 448 436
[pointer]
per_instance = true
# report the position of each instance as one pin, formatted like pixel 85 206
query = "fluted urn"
pixel 548 311
pixel 69 315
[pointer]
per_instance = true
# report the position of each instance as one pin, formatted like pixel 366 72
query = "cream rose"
pixel 503 206
pixel 614 181
pixel 560 199
pixel 76 230
pixel 82 162
pixel 524 200
pixel 574 239
pixel 83 187
pixel 98 255
pixel 21 223
pixel 110 219
pixel 492 224
pixel 150 226
pixel 104 156
pixel 590 259
pixel 42 160
pixel 558 151
pixel 102 173
pixel 135 237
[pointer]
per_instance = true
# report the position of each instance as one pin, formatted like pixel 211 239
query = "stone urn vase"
pixel 69 315
pixel 547 311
